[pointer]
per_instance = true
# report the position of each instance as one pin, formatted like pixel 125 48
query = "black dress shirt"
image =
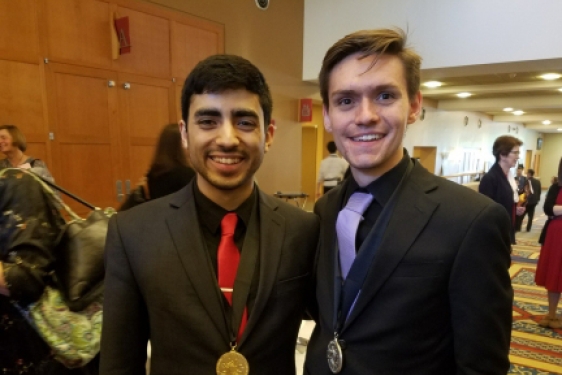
pixel 381 189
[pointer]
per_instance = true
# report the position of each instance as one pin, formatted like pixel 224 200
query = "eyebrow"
pixel 207 112
pixel 373 88
pixel 244 113
pixel 214 112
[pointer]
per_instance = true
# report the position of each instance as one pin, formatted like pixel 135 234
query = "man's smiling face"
pixel 226 140
pixel 368 112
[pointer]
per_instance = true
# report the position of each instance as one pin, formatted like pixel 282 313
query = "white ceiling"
pixel 492 49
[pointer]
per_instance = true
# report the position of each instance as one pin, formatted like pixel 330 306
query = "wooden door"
pixel 308 163
pixel 77 31
pixel 192 43
pixel 18 31
pixel 83 118
pixel 146 105
pixel 528 158
pixel 150 44
pixel 22 103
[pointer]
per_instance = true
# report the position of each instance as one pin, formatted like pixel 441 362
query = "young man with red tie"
pixel 215 275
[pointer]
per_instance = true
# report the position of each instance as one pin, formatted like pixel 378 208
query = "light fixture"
pixel 560 89
pixel 464 94
pixel 550 76
pixel 432 84
pixel 559 129
pixel 546 122
pixel 508 109
pixel 518 112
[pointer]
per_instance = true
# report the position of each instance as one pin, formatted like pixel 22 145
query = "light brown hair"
pixel 367 43
pixel 503 145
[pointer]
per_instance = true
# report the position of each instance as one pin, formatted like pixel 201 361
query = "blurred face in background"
pixel 510 160
pixel 6 142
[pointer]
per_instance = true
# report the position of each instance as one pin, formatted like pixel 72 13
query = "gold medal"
pixel 232 363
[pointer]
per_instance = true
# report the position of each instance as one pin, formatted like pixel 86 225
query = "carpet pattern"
pixel 534 350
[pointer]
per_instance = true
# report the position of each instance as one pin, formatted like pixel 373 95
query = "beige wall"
pixel 273 40
pixel 550 156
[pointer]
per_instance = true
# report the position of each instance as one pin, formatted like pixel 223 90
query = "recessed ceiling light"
pixel 464 94
pixel 508 109
pixel 560 89
pixel 546 122
pixel 559 129
pixel 550 76
pixel 432 84
pixel 518 113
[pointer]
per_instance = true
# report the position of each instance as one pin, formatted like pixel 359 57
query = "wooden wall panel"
pixel 146 107
pixel 87 173
pixel 77 31
pixel 83 114
pixel 18 30
pixel 150 44
pixel 191 44
pixel 21 100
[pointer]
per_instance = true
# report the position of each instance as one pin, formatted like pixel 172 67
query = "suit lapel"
pixel 183 225
pixel 412 211
pixel 246 270
pixel 272 232
pixel 328 218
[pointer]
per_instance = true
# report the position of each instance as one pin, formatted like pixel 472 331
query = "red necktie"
pixel 228 259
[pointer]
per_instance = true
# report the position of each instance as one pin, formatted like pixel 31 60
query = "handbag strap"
pixel 58 202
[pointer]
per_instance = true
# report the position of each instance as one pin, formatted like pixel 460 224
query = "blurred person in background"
pixel 13 145
pixel 332 171
pixel 549 267
pixel 168 172
pixel 30 226
pixel 497 183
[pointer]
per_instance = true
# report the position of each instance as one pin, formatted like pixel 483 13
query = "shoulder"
pixel 448 192
pixel 289 211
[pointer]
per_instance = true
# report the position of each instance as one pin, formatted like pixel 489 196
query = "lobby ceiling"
pixel 496 87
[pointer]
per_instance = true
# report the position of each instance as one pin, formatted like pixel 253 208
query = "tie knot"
pixel 228 224
pixel 358 202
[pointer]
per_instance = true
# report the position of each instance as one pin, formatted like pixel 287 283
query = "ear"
pixel 415 108
pixel 183 131
pixel 327 122
pixel 270 131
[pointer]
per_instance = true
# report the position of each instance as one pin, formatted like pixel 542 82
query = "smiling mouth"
pixel 226 160
pixel 367 138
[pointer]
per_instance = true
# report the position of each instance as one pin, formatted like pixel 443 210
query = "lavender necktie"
pixel 346 228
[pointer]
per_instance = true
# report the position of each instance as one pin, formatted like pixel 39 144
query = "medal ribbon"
pixel 347 290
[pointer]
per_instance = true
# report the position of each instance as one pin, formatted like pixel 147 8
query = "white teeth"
pixel 367 138
pixel 226 160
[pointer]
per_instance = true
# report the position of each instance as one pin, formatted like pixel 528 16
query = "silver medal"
pixel 335 356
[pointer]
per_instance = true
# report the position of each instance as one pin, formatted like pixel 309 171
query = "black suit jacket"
pixel 495 185
pixel 437 298
pixel 160 285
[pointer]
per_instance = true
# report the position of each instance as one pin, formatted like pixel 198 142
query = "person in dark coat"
pixel 30 226
pixel 496 183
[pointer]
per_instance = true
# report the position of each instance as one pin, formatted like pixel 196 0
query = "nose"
pixel 227 136
pixel 366 112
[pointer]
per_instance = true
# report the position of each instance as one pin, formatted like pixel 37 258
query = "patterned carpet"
pixel 534 350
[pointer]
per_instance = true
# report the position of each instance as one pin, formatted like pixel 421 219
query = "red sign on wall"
pixel 305 110
pixel 123 34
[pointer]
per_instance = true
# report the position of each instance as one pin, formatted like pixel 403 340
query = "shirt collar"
pixel 213 213
pixel 383 187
